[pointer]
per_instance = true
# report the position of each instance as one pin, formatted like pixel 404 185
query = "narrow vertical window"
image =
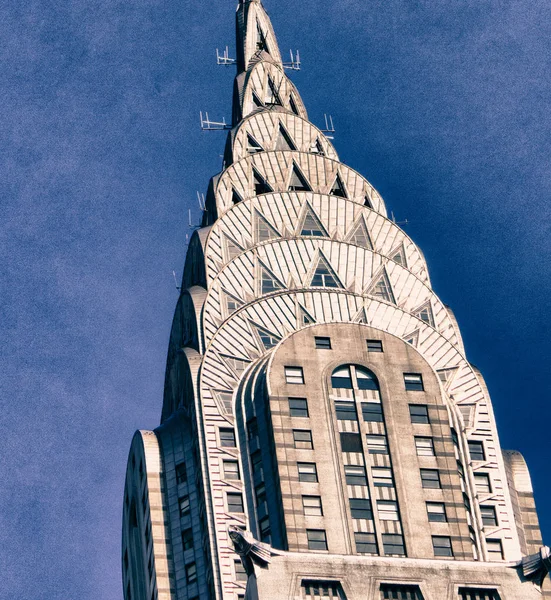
pixel 489 516
pixel 181 473
pixel 495 550
pixel 482 483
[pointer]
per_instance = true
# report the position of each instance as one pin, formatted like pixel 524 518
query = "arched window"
pixel 353 377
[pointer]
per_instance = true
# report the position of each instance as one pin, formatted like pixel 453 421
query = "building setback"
pixel 323 433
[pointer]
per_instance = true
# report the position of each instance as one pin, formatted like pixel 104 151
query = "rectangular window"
pixel 227 437
pixel 303 439
pixel 181 473
pixel 294 375
pixel 455 437
pixel 265 530
pixel 184 506
pixel 323 343
pixel 317 540
pixel 298 407
pixel 366 543
pixel 376 444
pixel 424 446
pixel 231 469
pixel 372 412
pixel 307 472
pixel 312 506
pixel 355 475
pixel 374 345
pixel 430 478
pixel 313 589
pixel 235 502
pixel 478 594
pixel 482 483
pixel 495 549
pixel 261 501
pixel 419 413
pixel 393 591
pixel 437 512
pixel 489 516
pixel 346 411
pixel 382 477
pixel 351 442
pixel 240 573
pixel 442 545
pixel 191 573
pixel 476 450
pixel 252 428
pixel 187 539
pixel 414 382
pixel 388 510
pixel 393 544
pixel 361 508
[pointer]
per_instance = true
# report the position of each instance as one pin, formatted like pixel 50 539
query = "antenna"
pixel 190 224
pixel 224 59
pixel 329 127
pixel 294 64
pixel 208 125
pixel 201 201
pixel 404 222
pixel 176 281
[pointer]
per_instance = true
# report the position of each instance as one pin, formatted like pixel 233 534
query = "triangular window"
pixel 381 289
pixel 360 236
pixel 257 101
pixel 272 95
pixel 268 339
pixel 237 365
pixel 338 188
pixel 425 314
pixel 261 186
pixel 446 375
pixel 399 256
pixel 235 197
pixel 412 338
pixel 232 248
pixel 293 105
pixel 311 225
pixel 232 303
pixel 298 182
pixel 367 202
pixel 253 146
pixel 284 141
pixel 269 282
pixel 324 276
pixel 317 148
pixel 361 317
pixel 304 316
pixel 261 39
pixel 263 230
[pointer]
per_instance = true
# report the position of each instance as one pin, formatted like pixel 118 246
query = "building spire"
pixel 255 37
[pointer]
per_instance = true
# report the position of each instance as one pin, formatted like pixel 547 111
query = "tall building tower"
pixel 323 433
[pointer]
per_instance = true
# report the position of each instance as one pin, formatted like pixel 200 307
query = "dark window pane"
pixel 419 413
pixel 436 512
pixel 346 411
pixel 341 379
pixel 392 591
pixel 187 539
pixel 393 543
pixel 351 442
pixel 476 450
pixel 374 346
pixel 366 380
pixel 366 543
pixel 355 475
pixel 298 407
pixel 442 545
pixel 184 506
pixel 478 594
pixel 323 343
pixel 361 508
pixel 235 503
pixel 372 412
pixel 489 516
pixel 227 437
pixel 191 573
pixel 413 382
pixel 181 473
pixel 430 478
pixel 317 539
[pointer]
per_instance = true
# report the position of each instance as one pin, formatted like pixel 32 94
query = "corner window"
pixel 430 478
pixel 424 446
pixel 312 506
pixel 476 450
pixel 437 512
pixel 366 543
pixel 298 407
pixel 323 343
pixel 294 375
pixel 307 472
pixel 317 539
pixel 442 545
pixel 419 413
pixel 413 382
pixel 303 439
pixel 374 345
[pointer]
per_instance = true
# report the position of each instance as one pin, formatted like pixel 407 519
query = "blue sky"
pixel 442 104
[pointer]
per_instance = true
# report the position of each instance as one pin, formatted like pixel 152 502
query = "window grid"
pixel 476 450
pixel 360 508
pixel 489 516
pixel 393 544
pixel 482 483
pixel 231 469
pixel 235 502
pixel 478 594
pixel 227 437
pixel 437 512
pixel 355 475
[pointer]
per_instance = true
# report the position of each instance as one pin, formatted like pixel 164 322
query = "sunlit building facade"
pixel 322 433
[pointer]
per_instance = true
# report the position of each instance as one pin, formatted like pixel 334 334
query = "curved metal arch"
pixel 181 382
pixel 194 266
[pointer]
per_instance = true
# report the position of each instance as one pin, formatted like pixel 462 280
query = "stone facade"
pixel 322 431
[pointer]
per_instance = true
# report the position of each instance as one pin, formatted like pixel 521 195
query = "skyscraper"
pixel 322 433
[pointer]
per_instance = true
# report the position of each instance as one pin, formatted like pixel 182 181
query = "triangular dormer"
pixel 298 182
pixel 311 225
pixel 338 188
pixel 263 231
pixel 261 185
pixel 284 141
pixel 324 275
pixel 381 288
